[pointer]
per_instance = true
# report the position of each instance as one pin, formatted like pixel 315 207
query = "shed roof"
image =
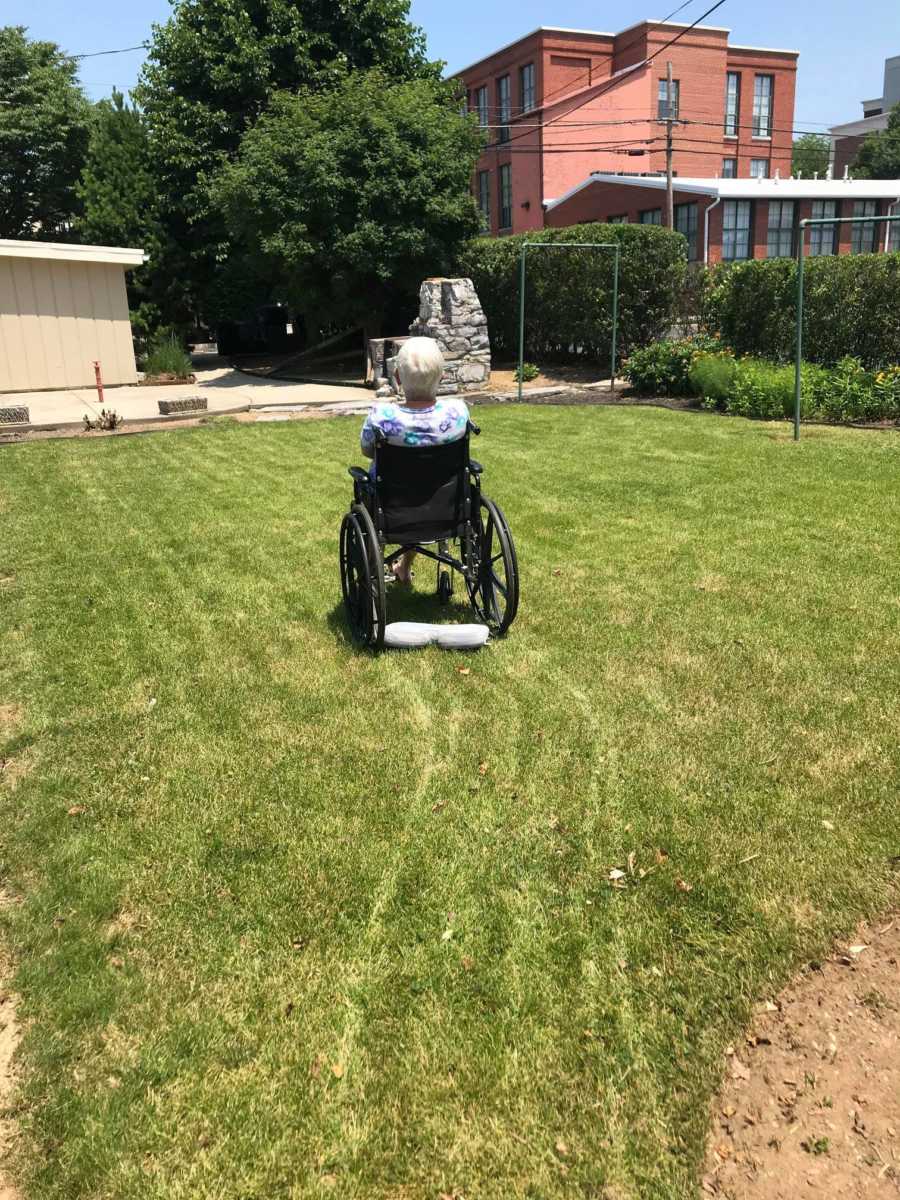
pixel 125 256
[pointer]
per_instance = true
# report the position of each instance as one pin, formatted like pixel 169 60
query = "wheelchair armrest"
pixel 360 475
pixel 475 467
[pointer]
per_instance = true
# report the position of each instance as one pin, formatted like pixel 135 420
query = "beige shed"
pixel 61 308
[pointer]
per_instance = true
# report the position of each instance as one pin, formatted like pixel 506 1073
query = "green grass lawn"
pixel 331 923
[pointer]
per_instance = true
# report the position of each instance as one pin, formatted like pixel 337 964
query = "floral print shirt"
pixel 445 421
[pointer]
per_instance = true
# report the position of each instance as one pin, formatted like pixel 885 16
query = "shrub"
pixel 711 377
pixel 663 368
pixel 167 356
pixel 761 389
pixel 850 308
pixel 529 372
pixel 568 312
pixel 108 420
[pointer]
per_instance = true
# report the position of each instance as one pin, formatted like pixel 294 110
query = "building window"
pixel 780 239
pixel 864 235
pixel 650 216
pixel 506 196
pixel 763 86
pixel 686 223
pixel 481 105
pixel 759 168
pixel 735 230
pixel 484 199
pixel 618 219
pixel 729 168
pixel 662 106
pixel 503 108
pixel 526 83
pixel 822 237
pixel 732 103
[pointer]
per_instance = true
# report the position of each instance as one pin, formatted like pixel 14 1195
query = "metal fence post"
pixel 522 319
pixel 615 319
pixel 799 352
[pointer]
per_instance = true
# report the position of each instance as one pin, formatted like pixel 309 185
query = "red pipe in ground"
pixel 99 379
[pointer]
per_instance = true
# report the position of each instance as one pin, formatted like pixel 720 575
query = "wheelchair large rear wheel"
pixel 362 578
pixel 493 569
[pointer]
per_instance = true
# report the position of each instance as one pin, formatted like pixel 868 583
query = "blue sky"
pixel 842 46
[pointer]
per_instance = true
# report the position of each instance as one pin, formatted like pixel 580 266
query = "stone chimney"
pixel 451 313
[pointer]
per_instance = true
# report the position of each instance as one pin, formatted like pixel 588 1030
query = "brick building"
pixel 562 103
pixel 846 139
pixel 733 219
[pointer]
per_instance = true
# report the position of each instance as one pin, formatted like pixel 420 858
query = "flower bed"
pixel 708 371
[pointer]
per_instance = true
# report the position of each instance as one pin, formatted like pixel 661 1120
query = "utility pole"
pixel 670 203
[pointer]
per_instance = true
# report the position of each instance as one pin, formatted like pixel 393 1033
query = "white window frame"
pixel 661 105
pixel 505 195
pixel 823 238
pixel 732 103
pixel 781 229
pixel 504 107
pixel 687 222
pixel 528 96
pixel 736 234
pixel 867 232
pixel 763 103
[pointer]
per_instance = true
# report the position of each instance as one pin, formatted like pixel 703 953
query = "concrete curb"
pixel 40 427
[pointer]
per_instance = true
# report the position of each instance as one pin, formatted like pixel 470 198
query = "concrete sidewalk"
pixel 225 390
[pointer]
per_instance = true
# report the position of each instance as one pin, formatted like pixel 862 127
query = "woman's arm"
pixel 367 437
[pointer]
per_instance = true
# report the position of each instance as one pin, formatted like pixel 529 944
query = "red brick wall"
pixel 600 201
pixel 845 152
pixel 577 108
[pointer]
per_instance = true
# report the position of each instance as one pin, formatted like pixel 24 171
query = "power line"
pixel 102 53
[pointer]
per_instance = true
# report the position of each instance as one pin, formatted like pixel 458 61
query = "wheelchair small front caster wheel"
pixel 444 587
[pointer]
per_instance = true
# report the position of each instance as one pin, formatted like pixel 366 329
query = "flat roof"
pixel 863 125
pixel 746 189
pixel 125 256
pixel 600 34
pixel 763 49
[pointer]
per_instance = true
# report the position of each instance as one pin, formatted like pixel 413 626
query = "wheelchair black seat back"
pixel 428 499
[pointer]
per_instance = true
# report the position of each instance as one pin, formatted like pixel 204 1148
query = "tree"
pixel 879 155
pixel 118 197
pixel 43 137
pixel 211 72
pixel 355 194
pixel 811 153
pixel 116 188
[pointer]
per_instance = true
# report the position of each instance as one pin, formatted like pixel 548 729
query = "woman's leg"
pixel 403 566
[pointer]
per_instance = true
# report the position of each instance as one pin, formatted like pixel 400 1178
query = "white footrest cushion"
pixel 409 635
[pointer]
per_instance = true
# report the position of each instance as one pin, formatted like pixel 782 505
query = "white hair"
pixel 420 366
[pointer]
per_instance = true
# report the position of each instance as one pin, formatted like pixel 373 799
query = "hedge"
pixel 850 308
pixel 568 312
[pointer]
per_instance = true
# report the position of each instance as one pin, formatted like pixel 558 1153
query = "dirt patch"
pixel 11 716
pixel 503 376
pixel 10 1034
pixel 811 1103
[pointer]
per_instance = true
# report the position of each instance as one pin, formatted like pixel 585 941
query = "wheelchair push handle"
pixel 473 428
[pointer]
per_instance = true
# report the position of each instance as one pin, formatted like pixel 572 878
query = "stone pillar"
pixel 451 313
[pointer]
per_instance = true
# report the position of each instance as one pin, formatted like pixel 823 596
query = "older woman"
pixel 419 418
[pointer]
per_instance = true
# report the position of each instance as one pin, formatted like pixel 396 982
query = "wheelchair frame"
pixel 484 540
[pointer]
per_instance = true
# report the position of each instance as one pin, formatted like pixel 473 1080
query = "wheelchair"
pixel 428 499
